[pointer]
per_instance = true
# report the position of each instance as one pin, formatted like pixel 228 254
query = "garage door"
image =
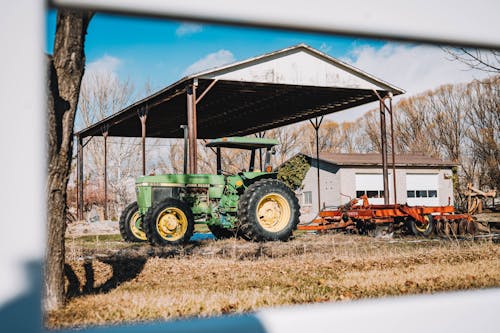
pixel 372 185
pixel 422 189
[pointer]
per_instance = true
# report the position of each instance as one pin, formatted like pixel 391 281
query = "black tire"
pixel 406 229
pixel 277 196
pixel 127 224
pixel 419 229
pixel 156 228
pixel 220 232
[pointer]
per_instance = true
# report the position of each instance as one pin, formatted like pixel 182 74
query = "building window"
pixel 370 194
pixel 421 193
pixel 308 200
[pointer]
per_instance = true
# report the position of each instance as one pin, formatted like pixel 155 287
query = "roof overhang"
pixel 373 160
pixel 273 90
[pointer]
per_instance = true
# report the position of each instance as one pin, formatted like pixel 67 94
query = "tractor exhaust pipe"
pixel 185 129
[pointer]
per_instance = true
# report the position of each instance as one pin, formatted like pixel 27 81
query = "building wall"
pixel 338 185
pixel 330 195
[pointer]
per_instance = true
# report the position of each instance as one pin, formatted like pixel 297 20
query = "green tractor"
pixel 253 204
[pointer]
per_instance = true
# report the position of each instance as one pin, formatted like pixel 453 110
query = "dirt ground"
pixel 114 282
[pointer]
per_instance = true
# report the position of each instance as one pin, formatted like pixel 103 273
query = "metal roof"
pixel 269 91
pixel 373 159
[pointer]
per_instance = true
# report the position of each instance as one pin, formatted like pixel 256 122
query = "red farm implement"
pixel 421 220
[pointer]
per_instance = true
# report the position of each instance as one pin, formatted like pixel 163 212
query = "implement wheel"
pixel 462 227
pixel 268 211
pixel 420 229
pixel 130 224
pixel 169 222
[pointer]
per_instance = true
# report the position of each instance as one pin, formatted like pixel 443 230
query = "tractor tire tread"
pixel 248 227
pixel 149 222
pixel 123 223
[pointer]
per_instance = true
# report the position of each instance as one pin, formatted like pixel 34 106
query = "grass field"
pixel 113 282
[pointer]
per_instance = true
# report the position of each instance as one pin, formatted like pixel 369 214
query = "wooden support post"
pixel 383 141
pixel 219 161
pixel 105 136
pixel 316 124
pixel 393 150
pixel 143 115
pixel 192 127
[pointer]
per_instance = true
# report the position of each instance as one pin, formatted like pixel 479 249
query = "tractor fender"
pixel 250 181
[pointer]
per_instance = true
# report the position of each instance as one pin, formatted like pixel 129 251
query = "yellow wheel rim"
pixel 273 212
pixel 422 227
pixel 171 224
pixel 138 233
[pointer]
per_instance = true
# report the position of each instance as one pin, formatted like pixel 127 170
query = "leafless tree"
pixel 459 122
pixel 290 139
pixel 447 111
pixel 483 97
pixel 484 60
pixel 103 94
pixel 65 72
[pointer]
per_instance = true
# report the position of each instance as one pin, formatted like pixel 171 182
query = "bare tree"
pixel 65 72
pixel 447 109
pixel 483 99
pixel 103 94
pixel 290 139
pixel 371 125
pixel 484 60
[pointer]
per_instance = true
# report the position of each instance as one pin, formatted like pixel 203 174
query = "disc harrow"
pixel 363 218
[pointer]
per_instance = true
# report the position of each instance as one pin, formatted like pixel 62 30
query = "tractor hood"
pixel 180 180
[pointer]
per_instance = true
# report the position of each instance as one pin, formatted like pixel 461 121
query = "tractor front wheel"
pixel 268 211
pixel 169 222
pixel 130 224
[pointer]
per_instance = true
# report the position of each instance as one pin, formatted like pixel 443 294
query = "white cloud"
pixel 186 29
pixel 216 59
pixel 325 48
pixel 412 68
pixel 104 65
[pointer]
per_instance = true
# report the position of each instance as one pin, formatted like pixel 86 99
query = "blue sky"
pixel 160 52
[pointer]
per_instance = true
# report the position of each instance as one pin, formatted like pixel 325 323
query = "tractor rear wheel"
pixel 169 222
pixel 420 229
pixel 130 224
pixel 268 211
pixel 221 232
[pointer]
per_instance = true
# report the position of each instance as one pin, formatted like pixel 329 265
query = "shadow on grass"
pixel 126 264
pixel 123 270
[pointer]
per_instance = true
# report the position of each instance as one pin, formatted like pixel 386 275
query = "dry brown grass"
pixel 232 276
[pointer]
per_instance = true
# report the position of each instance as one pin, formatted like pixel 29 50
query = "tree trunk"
pixel 65 72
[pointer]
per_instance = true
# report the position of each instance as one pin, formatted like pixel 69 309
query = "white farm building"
pixel 420 180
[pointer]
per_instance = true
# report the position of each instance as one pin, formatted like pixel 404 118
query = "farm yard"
pixel 111 282
pixel 254 181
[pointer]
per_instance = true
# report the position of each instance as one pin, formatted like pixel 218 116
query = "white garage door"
pixel 422 189
pixel 372 185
